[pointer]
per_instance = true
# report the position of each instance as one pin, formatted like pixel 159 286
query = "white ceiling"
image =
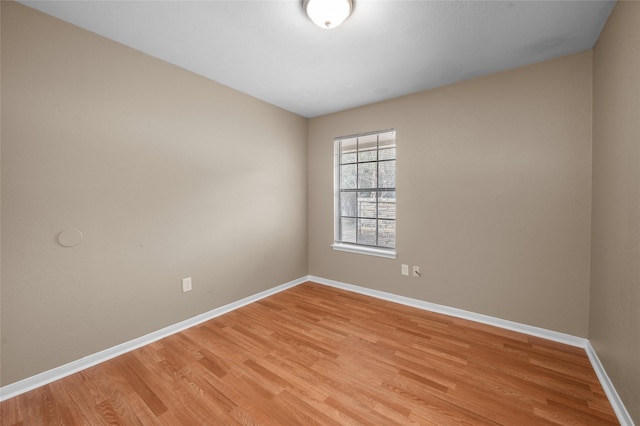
pixel 269 49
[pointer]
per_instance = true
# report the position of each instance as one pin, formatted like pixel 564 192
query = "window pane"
pixel 387 174
pixel 348 230
pixel 349 157
pixel 387 146
pixel 367 148
pixel 387 139
pixel 387 233
pixel 366 194
pixel 367 175
pixel 348 205
pixel 387 205
pixel 348 176
pixel 367 204
pixel 387 154
pixel 348 149
pixel 367 231
pixel 367 155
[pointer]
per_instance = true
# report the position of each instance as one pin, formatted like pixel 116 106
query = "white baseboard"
pixel 459 313
pixel 57 373
pixel 33 382
pixel 618 406
pixel 621 411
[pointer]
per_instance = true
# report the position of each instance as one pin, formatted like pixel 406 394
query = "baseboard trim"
pixel 618 406
pixel 616 402
pixel 458 313
pixel 46 377
pixel 33 382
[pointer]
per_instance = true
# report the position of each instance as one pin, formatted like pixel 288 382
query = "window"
pixel 365 193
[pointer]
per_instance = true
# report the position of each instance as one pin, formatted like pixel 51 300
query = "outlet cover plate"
pixel 186 284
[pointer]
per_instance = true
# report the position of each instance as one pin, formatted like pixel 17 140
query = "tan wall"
pixel 614 326
pixel 166 173
pixel 494 181
pixel 171 175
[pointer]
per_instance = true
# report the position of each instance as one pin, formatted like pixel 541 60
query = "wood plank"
pixel 319 355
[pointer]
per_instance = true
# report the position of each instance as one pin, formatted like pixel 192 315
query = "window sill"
pixel 389 254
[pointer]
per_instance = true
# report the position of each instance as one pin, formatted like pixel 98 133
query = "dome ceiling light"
pixel 327 13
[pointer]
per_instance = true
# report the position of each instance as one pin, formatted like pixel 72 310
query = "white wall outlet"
pixel 405 270
pixel 186 284
pixel 416 271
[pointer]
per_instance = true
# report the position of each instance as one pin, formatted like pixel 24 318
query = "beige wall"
pixel 166 173
pixel 614 326
pixel 171 175
pixel 494 181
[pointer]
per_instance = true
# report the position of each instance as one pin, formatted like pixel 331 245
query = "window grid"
pixel 377 190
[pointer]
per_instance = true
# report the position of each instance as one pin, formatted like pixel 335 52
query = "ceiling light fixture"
pixel 327 13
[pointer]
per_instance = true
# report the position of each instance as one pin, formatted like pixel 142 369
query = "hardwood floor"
pixel 319 355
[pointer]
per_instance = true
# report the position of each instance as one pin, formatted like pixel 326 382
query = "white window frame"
pixel 354 247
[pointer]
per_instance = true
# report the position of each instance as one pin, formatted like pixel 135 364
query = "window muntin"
pixel 366 191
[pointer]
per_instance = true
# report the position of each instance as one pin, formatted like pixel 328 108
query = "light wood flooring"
pixel 318 355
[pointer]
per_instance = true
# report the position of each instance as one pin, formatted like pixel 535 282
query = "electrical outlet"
pixel 186 284
pixel 416 271
pixel 405 270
